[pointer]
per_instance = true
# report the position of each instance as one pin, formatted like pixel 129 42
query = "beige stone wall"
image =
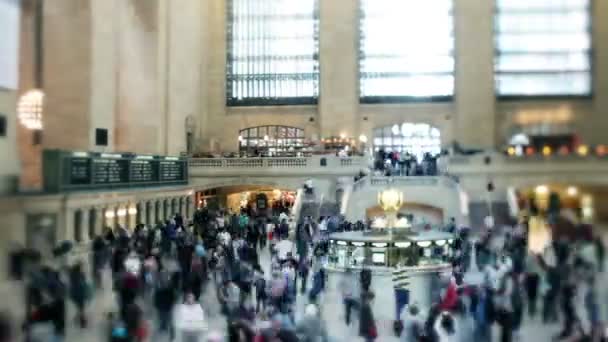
pixel 474 117
pixel 9 161
pixel 140 68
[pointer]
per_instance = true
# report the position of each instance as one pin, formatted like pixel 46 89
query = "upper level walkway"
pixel 530 170
pixel 327 165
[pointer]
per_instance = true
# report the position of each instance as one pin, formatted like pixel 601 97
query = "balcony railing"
pixel 289 164
pixel 402 181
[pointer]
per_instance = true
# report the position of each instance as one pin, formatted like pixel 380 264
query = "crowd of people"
pixel 393 163
pixel 562 280
pixel 162 274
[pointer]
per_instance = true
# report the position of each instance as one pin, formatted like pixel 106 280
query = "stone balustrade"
pixel 403 181
pixel 280 165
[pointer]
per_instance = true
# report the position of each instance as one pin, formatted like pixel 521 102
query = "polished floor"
pixel 331 310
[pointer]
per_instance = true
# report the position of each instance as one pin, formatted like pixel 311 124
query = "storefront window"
pixel 272 141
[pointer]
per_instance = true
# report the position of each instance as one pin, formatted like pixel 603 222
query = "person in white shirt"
pixel 190 320
pixel 284 248
pixel 224 237
pixel 220 221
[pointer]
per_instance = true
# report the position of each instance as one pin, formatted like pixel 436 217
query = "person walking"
pixel 164 300
pixel 412 324
pixel 367 324
pixel 351 293
pixel 80 293
pixel 311 327
pixel 532 282
pixel 190 322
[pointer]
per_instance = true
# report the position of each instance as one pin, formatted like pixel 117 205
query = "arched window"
pixel 416 139
pixel 272 52
pixel 271 141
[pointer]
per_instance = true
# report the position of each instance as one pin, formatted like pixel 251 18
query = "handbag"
pixel 373 331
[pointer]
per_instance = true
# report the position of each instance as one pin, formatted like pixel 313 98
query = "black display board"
pixel 68 171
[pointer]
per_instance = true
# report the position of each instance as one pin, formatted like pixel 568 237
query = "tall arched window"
pixel 543 48
pixel 272 141
pixel 417 139
pixel 406 50
pixel 273 52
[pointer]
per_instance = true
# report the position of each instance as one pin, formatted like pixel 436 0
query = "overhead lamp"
pixel 511 151
pixel 403 244
pixel 132 211
pixel 110 214
pixel 121 212
pixel 541 190
pixel 29 109
pixel 546 151
pixel 572 191
pixel 583 150
pixel 363 138
pixel 529 150
pixel 424 244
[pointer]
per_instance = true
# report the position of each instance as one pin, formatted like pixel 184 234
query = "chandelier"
pixel 29 109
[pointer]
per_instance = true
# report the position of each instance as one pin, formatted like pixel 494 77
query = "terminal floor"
pixel 331 310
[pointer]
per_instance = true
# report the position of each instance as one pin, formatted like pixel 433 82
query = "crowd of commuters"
pixel 558 285
pixel 393 163
pixel 161 274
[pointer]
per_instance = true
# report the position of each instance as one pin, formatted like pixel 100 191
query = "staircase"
pixel 440 192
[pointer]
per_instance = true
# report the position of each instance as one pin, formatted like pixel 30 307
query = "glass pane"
pixel 543 47
pixel 407 49
pixel 272 49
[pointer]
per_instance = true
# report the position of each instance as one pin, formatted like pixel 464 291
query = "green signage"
pixel 72 171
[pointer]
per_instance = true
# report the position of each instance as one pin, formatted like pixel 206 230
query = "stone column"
pixel 338 53
pixel 139 216
pixel 84 225
pixel 189 207
pixel 475 100
pixel 181 204
pixel 96 221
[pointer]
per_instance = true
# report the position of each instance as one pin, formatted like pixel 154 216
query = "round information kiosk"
pixel 418 263
pixel 417 259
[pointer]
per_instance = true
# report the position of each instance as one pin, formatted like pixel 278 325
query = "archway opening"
pixel 417 139
pixel 261 199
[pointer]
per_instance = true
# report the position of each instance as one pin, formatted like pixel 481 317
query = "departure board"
pixel 110 171
pixel 171 170
pixel 144 171
pixel 67 171
pixel 80 170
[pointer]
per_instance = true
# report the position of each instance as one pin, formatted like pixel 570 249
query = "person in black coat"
pixel 367 323
pixel 366 279
pixel 99 259
pixel 164 300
